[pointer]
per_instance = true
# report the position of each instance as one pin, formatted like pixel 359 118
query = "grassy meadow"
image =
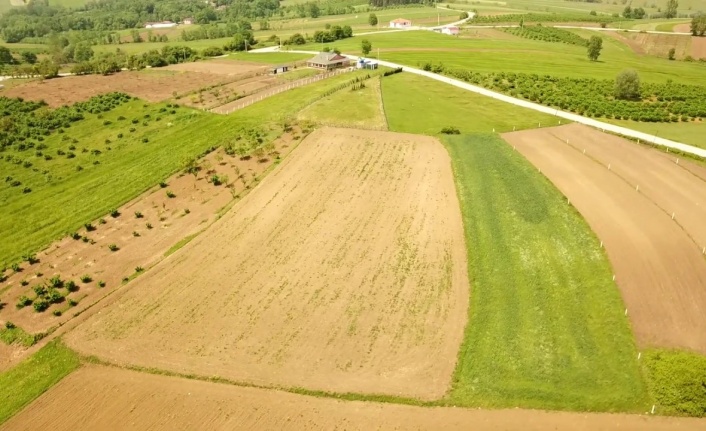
pixel 491 50
pixel 691 133
pixel 546 327
pixel 415 104
pixel 33 376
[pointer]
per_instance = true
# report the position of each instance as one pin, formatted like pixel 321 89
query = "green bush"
pixel 71 286
pixel 56 282
pixel 170 194
pixel 23 301
pixel 40 305
pixel 138 214
pixel 677 380
pixel 113 247
pixel 101 283
pixel 57 313
pixel 450 131
pixel 114 213
pixel 86 278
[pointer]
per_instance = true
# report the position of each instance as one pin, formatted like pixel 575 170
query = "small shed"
pixel 362 63
pixel 188 21
pixel 400 23
pixel 279 69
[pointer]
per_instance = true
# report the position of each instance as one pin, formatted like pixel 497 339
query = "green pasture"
pixel 691 133
pixel 68 3
pixel 416 104
pixel 546 327
pixel 482 52
pixel 34 376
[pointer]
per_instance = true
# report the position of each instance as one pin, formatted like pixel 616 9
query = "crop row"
pixel 667 102
pixel 544 17
pixel 547 34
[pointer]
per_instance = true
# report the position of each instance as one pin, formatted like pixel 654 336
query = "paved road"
pixel 606 127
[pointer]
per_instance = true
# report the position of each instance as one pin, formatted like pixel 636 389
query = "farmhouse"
pixel 163 24
pixel 328 61
pixel 450 30
pixel 400 23
pixel 188 21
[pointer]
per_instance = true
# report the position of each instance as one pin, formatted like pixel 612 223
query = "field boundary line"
pixel 623 131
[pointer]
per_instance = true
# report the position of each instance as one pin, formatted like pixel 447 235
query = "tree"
pixel 48 69
pixel 672 53
pixel 6 56
pixel 297 39
pixel 373 20
pixel 347 31
pixel 595 45
pixel 83 52
pixel 314 10
pixel 671 11
pixel 29 57
pixel 627 12
pixel 366 46
pixel 698 25
pixel 627 85
pixel 638 13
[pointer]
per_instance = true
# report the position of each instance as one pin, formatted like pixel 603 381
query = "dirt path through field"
pixel 108 398
pixel 661 273
pixel 345 270
pixel 673 189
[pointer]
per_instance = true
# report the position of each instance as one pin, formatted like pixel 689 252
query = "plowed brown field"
pixel 345 270
pixel 108 399
pixel 659 269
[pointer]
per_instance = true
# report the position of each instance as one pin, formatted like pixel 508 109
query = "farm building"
pixel 450 30
pixel 163 24
pixel 400 23
pixel 279 69
pixel 366 64
pixel 188 21
pixel 328 61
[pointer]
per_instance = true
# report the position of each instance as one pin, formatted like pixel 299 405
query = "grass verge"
pixel 16 334
pixel 546 328
pixel 677 381
pixel 33 376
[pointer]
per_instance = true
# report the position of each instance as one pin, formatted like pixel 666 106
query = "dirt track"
pixel 345 270
pixel 659 269
pixel 108 398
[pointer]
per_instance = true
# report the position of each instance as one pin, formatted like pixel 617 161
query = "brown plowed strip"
pixel 698 47
pixel 219 67
pixel 107 399
pixel 659 178
pixel 661 273
pixel 345 270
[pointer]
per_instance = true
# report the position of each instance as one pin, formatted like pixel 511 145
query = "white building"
pixel 163 24
pixel 400 23
pixel 451 30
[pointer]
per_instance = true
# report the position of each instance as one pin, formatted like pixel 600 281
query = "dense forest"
pixel 39 19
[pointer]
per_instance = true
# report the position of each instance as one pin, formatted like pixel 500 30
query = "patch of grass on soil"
pixel 677 381
pixel 34 376
pixel 181 243
pixel 347 108
pixel 546 326
pixel 16 334
pixel 416 104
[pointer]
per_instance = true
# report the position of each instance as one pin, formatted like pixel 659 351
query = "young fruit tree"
pixel 595 45
pixel 627 85
pixel 672 53
pixel 366 46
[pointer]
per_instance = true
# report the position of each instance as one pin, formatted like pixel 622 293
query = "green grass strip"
pixel 34 376
pixel 546 326
pixel 677 380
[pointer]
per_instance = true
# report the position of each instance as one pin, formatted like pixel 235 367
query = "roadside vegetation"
pixel 677 380
pixel 33 376
pixel 547 34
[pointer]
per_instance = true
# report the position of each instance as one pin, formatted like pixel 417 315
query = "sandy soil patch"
pixel 698 47
pixel 9 354
pixel 195 206
pixel 219 67
pixel 108 398
pixel 153 86
pixel 660 270
pixel 682 28
pixel 345 270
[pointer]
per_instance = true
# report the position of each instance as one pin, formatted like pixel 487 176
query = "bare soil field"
pixel 671 187
pixel 219 67
pixel 108 398
pixel 656 44
pixel 344 270
pixel 698 47
pixel 682 28
pixel 171 220
pixel 153 86
pixel 659 269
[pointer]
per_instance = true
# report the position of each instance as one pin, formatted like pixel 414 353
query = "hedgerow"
pixel 547 34
pixel 665 102
pixel 544 17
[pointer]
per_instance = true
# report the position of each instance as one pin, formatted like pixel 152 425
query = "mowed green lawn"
pixel 515 54
pixel 546 326
pixel 416 104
